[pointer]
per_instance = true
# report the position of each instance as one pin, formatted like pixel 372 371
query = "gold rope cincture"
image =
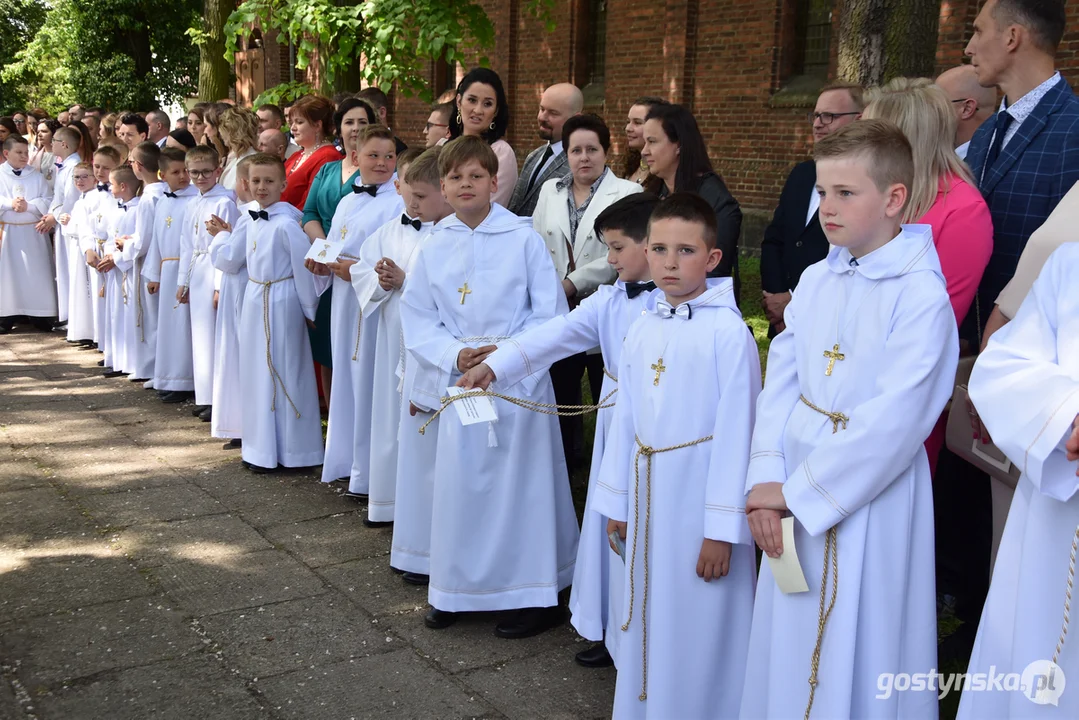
pixel 837 418
pixel 647 452
pixel 542 408
pixel 359 320
pixel 1068 597
pixel 275 376
pixel 609 374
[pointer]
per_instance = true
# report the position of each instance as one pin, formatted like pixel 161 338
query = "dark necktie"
pixel 18 173
pixel 103 187
pixel 539 166
pixel 1001 125
pixel 406 220
pixel 371 190
pixel 633 289
pixel 170 194
pixel 259 214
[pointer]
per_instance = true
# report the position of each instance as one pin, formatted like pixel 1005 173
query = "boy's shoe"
pixel 234 444
pixel 176 396
pixel 439 619
pixel 199 410
pixel 101 363
pixel 527 622
pixel 368 522
pixel 594 657
pixel 416 578
pixel 207 415
pixel 258 469
pixel 396 571
pixel 114 373
pixel 362 497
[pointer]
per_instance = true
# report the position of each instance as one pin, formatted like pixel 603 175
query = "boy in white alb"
pixel 80 321
pixel 602 319
pixel 281 421
pixel 1026 388
pixel 197 275
pixel 95 233
pixel 65 146
pixel 378 279
pixel 672 481
pixel 26 272
pixel 372 203
pixel 503 531
pixel 173 368
pixel 855 384
pixel 120 222
pixel 228 252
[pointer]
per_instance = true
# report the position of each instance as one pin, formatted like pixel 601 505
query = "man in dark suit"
pixel 557 104
pixel 795 240
pixel 1024 159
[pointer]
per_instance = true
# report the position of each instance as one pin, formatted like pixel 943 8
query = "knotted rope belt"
pixel 647 451
pixel 359 319
pixel 275 377
pixel 542 408
pixel 1068 596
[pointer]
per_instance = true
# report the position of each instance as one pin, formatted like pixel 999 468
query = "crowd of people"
pixel 446 305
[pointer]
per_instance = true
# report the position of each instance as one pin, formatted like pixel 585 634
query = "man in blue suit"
pixel 1024 159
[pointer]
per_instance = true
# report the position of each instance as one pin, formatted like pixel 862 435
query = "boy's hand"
pixel 121 240
pixel 106 264
pixel 612 526
pixel 19 205
pixel 714 561
pixel 471 357
pixel 152 287
pixel 1072 446
pixel 766 495
pixel 92 259
pixel 341 268
pixel 65 218
pixel 389 273
pixel 767 531
pixel 181 295
pixel 480 377
pixel 217 295
pixel 413 410
pixel 316 268
pixel 45 224
pixel 216 225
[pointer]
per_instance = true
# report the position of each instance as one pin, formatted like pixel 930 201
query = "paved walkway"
pixel 145 574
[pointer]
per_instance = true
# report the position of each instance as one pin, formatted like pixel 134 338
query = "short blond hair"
pixel 464 149
pixel 855 91
pixel 239 129
pixel 924 113
pixel 882 144
pixel 424 168
pixel 260 160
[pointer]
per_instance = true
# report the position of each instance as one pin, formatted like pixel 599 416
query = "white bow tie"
pixel 664 310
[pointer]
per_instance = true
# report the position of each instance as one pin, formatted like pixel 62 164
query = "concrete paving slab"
pixel 104 468
pixel 331 540
pixel 150 505
pixel 34 514
pixel 65 646
pixel 19 473
pixel 374 587
pixel 41 586
pixel 271 502
pixel 206 539
pixel 242 581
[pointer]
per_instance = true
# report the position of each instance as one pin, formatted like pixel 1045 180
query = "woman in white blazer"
pixel 565 215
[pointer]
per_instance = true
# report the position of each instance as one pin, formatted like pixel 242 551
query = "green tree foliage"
pixel 396 38
pixel 114 53
pixel 21 21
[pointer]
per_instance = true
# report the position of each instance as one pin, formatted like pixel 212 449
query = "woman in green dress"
pixel 333 182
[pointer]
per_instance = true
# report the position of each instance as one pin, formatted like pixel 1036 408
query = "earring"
pixel 492 125
pixel 459 121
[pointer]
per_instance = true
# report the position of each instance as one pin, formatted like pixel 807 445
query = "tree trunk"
pixel 883 39
pixel 214 71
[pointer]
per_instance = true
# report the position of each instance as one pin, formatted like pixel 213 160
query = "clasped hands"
pixel 390 276
pixel 765 506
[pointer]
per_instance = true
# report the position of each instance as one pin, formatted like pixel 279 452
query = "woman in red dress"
pixel 311 122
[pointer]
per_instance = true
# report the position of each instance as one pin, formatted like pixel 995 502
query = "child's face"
pixel 678 257
pixel 627 256
pixel 468 187
pixel 266 182
pixel 402 187
pixel 18 156
pixel 377 161
pixel 203 174
pixel 426 202
pixel 118 189
pixel 102 167
pixel 854 212
pixel 84 180
pixel 175 175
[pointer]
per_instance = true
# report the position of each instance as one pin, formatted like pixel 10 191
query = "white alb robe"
pixel 197 274
pixel 890 315
pixel 357 216
pixel 503 532
pixel 26 266
pixel 228 253
pixel 602 319
pixel 697 632
pixel 98 202
pixel 64 196
pixel 142 319
pixel 281 421
pixel 399 242
pixel 79 238
pixel 173 362
pixel 1026 388
pixel 120 220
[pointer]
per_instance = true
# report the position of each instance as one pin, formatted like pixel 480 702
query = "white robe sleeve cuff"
pixel 811 503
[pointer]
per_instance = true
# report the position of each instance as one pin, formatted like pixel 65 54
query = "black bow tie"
pixel 257 214
pixel 170 194
pixel 103 187
pixel 120 205
pixel 371 190
pixel 59 166
pixel 633 289
pixel 17 172
pixel 406 220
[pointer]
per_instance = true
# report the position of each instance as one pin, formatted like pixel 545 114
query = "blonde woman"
pixel 239 129
pixel 107 130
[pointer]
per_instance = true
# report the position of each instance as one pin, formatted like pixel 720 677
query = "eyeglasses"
pixel 827 118
pixel 19 122
pixel 200 173
pixel 429 125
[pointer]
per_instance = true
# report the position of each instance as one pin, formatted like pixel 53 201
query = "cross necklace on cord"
pixel 658 365
pixel 835 355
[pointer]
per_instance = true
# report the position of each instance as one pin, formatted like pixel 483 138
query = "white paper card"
pixel 786 569
pixel 324 251
pixel 474 408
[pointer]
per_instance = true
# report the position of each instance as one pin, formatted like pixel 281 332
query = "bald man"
pixel 557 104
pixel 273 142
pixel 973 103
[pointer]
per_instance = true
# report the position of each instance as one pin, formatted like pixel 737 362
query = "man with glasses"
pixel 19 119
pixel 437 129
pixel 795 240
pixel 973 103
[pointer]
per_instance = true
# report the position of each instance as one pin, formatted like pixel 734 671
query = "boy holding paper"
pixel 602 319
pixel 855 384
pixel 673 476
pixel 504 532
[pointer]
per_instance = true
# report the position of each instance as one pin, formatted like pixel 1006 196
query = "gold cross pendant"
pixel 832 356
pixel 168 221
pixel 464 291
pixel 659 367
pixel 343 231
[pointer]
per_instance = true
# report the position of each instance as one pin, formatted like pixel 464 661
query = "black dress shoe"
pixel 258 469
pixel 594 657
pixel 416 578
pixel 141 380
pixel 439 619
pixel 207 415
pixel 368 522
pixel 114 373
pixel 101 363
pixel 233 444
pixel 177 396
pixel 527 622
pixel 199 410
pixel 362 497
